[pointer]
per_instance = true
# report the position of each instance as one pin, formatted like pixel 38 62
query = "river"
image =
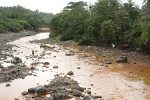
pixel 107 82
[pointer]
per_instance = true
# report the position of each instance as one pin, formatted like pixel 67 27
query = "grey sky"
pixel 51 6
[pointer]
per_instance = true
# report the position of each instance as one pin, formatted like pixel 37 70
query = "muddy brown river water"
pixel 116 82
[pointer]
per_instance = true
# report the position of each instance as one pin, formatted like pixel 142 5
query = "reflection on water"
pixel 98 79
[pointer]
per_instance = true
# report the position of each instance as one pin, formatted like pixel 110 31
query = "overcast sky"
pixel 50 6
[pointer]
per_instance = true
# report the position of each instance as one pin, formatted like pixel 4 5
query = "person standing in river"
pixel 32 52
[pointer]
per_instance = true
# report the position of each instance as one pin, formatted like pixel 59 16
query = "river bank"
pixel 93 69
pixel 8 37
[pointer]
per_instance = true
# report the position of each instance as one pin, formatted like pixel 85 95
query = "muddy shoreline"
pixel 8 37
pixel 72 66
pixel 133 56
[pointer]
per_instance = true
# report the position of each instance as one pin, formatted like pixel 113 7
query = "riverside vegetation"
pixel 104 23
pixel 17 18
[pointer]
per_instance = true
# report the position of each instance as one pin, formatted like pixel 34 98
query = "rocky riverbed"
pixel 41 69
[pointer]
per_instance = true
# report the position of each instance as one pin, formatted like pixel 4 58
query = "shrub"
pixel 3 29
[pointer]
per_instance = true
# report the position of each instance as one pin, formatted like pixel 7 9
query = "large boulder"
pixel 122 59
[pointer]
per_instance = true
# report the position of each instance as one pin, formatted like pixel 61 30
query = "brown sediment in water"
pixel 133 72
pixel 109 82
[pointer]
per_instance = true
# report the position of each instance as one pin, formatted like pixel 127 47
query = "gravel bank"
pixel 8 37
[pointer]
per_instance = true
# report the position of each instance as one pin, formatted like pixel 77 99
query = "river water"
pixel 109 82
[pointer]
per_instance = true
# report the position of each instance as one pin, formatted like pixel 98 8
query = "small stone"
pixel 96 96
pixel 29 96
pixel 24 93
pixel 55 66
pixel 32 90
pixel 34 75
pixel 16 60
pixel 32 67
pixel 46 63
pixel 29 73
pixel 70 73
pixel 16 99
pixel 122 59
pixel 92 84
pixel 88 92
pixel 108 62
pixel 101 64
pixel 78 67
pixel 7 85
pixel 77 93
pixel 1 66
pixel 86 98
pixel 41 90
pixel 69 54
pixel 106 66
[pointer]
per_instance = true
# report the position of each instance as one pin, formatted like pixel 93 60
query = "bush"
pixel 86 40
pixel 24 24
pixel 66 36
pixel 14 26
pixel 3 29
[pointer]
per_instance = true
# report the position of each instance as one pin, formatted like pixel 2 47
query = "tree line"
pixel 17 18
pixel 104 23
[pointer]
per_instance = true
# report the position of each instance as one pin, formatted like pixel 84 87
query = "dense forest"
pixel 104 23
pixel 17 18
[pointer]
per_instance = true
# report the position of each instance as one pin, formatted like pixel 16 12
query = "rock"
pixel 16 60
pixel 51 98
pixel 31 90
pixel 92 84
pixel 108 62
pixel 55 66
pixel 7 85
pixel 122 59
pixel 16 99
pixel 77 93
pixel 14 71
pixel 46 63
pixel 96 96
pixel 63 95
pixel 1 66
pixel 69 54
pixel 70 73
pixel 32 67
pixel 55 97
pixel 40 90
pixel 101 64
pixel 78 67
pixel 30 74
pixel 106 66
pixel 30 97
pixel 24 93
pixel 77 87
pixel 8 78
pixel 86 98
pixel 88 92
